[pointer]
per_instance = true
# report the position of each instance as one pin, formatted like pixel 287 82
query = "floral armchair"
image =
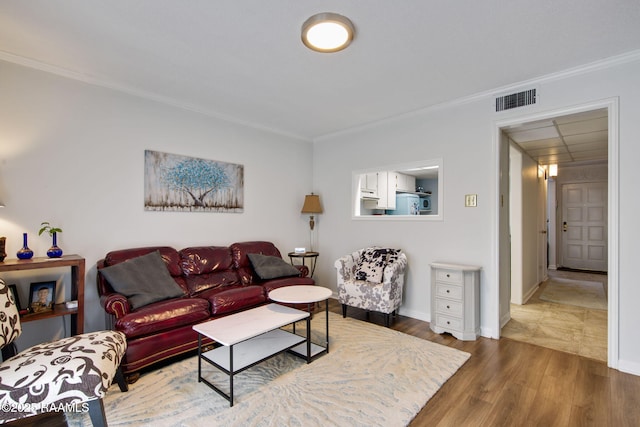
pixel 71 374
pixel 372 279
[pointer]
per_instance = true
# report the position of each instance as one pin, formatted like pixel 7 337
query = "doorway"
pixel 531 124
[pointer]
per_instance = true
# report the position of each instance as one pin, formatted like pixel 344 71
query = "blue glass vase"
pixel 54 251
pixel 25 252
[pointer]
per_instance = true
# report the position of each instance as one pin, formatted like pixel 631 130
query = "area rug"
pixel 372 376
pixel 580 293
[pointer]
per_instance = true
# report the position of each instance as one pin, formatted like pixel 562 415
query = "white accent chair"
pixel 73 373
pixel 372 279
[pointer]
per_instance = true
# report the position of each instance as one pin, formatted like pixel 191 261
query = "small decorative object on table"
pixel 54 251
pixel 25 252
pixel 42 296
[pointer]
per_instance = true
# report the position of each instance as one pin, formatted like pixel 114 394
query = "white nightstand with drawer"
pixel 455 300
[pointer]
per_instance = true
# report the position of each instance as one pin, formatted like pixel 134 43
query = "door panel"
pixel 584 225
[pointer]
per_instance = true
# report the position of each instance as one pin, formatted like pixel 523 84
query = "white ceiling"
pixel 243 59
pixel 581 137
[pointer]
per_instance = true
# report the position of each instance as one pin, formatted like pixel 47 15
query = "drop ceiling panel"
pixel 543 143
pixel 585 138
pixel 592 146
pixel 586 126
pixel 582 137
pixel 555 158
pixel 590 155
pixel 548 151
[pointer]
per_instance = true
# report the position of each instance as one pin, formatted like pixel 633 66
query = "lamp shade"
pixel 311 204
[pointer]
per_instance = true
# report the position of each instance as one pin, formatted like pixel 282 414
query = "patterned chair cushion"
pixel 10 327
pixel 68 371
pixel 372 263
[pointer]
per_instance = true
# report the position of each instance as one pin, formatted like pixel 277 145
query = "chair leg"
pixel 386 319
pixel 122 382
pixel 96 412
pixel 344 310
pixel 9 351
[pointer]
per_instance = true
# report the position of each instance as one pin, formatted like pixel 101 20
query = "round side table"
pixel 312 256
pixel 306 294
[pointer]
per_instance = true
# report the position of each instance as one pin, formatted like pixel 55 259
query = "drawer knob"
pixel 448 275
pixel 448 307
pixel 448 323
pixel 448 291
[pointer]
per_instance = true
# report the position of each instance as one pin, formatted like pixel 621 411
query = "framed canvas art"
pixel 189 184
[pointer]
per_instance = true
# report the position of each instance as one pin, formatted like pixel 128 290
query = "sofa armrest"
pixel 115 304
pixel 304 270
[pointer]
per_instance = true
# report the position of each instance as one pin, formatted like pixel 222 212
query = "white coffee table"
pixel 305 294
pixel 248 338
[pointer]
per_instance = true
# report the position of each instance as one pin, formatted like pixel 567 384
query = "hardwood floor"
pixel 511 383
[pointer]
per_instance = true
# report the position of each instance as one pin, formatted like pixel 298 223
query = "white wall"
pixel 463 135
pixel 73 154
pixel 530 227
pixel 92 141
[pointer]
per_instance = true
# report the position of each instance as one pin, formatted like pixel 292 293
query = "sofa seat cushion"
pixel 234 299
pixel 163 315
pixel 216 280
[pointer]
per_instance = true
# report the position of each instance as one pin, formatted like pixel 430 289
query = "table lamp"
pixel 311 206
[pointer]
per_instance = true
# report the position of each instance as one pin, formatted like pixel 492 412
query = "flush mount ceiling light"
pixel 327 32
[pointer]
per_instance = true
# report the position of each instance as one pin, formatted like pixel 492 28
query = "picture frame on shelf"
pixel 42 296
pixel 14 291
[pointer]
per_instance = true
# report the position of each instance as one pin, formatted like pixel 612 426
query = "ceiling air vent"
pixel 516 100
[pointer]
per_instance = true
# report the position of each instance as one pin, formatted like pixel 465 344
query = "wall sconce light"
pixel 327 32
pixel 311 206
pixel 553 170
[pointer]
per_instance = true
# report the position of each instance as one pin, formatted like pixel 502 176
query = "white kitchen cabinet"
pixel 405 183
pixel 455 300
pixel 386 190
pixel 369 184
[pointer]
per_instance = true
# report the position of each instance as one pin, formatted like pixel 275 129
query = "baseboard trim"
pixel 577 270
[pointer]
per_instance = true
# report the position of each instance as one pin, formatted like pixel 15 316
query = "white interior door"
pixel 584 226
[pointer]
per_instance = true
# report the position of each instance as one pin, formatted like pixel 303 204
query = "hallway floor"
pixel 567 328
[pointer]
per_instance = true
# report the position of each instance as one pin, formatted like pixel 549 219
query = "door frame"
pixel 613 180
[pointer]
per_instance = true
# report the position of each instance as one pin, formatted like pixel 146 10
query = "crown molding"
pixel 613 61
pixel 129 90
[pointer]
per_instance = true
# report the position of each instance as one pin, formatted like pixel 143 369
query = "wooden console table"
pixel 77 265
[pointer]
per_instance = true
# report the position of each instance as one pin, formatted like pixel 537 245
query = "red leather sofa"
pixel 216 280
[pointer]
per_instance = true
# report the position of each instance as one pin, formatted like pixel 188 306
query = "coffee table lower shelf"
pixel 236 358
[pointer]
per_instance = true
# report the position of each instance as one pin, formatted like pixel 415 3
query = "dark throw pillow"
pixel 143 280
pixel 372 263
pixel 271 267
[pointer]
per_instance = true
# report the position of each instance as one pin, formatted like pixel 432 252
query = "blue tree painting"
pixel 180 183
